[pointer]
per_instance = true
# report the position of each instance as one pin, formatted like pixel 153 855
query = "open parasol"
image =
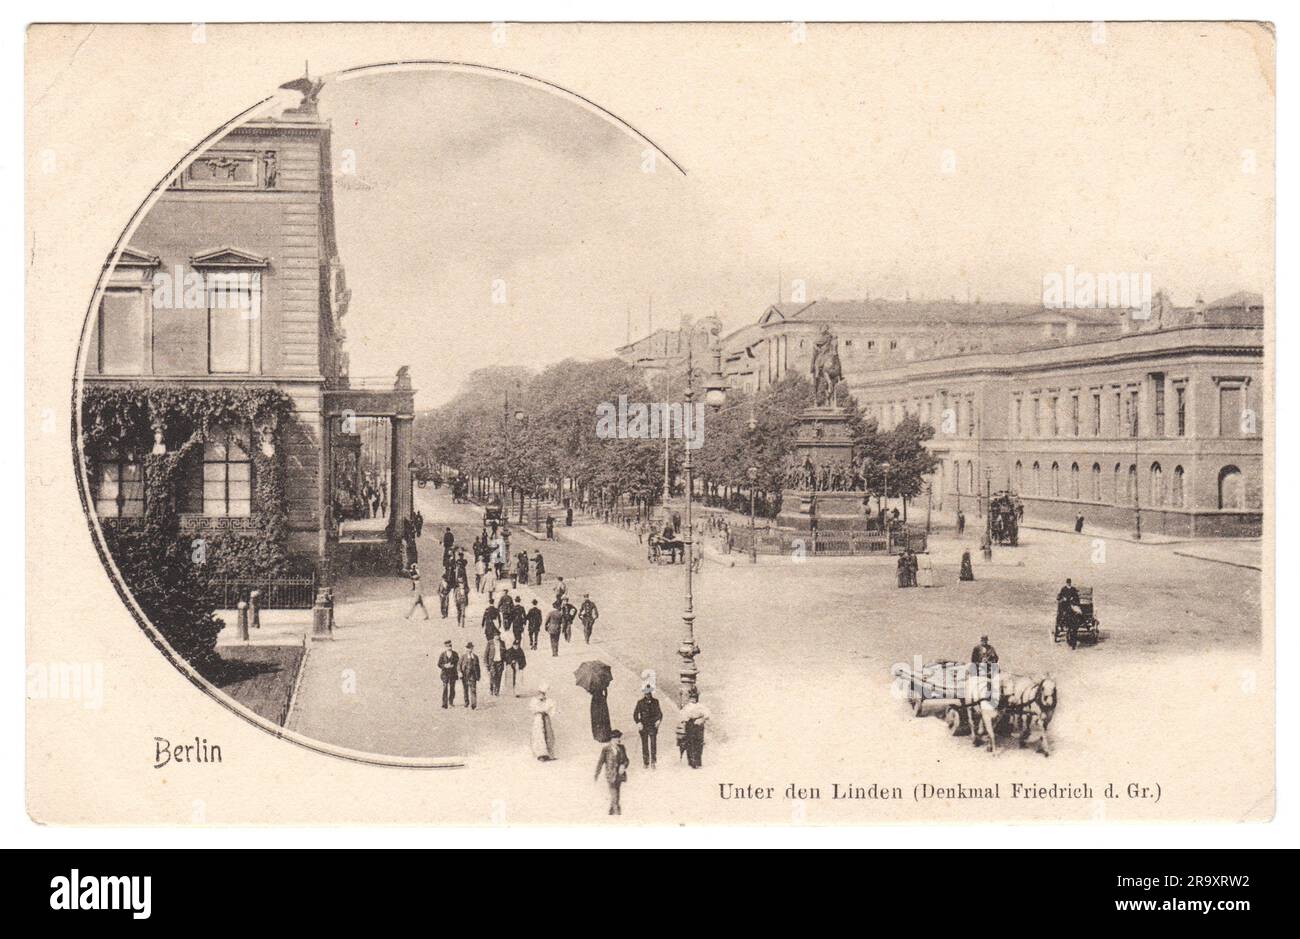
pixel 593 676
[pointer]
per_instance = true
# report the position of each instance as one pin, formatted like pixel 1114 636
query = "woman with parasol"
pixel 594 678
pixel 543 709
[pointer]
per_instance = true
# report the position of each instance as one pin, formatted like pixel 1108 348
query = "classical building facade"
pixel 232 281
pixel 876 334
pixel 1159 426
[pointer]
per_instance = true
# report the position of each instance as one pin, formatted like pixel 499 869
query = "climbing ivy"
pixel 168 570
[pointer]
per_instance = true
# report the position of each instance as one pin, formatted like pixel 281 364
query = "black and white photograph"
pixel 627 425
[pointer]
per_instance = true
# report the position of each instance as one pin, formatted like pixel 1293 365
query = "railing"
pixel 828 544
pixel 279 593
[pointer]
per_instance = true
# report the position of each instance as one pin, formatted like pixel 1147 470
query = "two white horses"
pixel 1027 704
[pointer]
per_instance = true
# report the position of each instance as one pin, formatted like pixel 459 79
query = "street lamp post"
pixel 885 467
pixel 988 502
pixel 753 543
pixel 688 650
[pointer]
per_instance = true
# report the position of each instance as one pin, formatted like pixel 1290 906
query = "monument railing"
pixel 830 543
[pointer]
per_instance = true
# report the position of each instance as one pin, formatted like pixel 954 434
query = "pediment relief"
pixel 227 258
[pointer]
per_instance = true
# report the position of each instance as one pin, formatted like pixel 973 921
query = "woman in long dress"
pixel 543 709
pixel 600 726
pixel 693 717
pixel 967 572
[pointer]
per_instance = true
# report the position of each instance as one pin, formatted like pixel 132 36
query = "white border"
pixel 16 829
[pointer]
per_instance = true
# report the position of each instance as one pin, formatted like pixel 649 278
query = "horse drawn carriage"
pixel 662 550
pixel 1076 622
pixel 1004 518
pixel 974 699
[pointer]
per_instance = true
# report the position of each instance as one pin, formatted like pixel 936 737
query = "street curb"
pixel 1201 557
pixel 298 684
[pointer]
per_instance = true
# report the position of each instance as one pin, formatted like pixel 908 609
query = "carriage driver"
pixel 984 653
pixel 1067 612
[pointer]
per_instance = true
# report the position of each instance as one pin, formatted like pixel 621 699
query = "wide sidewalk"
pixel 375 686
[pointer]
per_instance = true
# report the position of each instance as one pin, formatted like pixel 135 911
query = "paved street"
pixel 786 644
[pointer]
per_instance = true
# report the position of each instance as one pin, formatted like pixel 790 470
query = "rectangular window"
pixel 1133 413
pixel 1015 418
pixel 119 489
pixel 1096 413
pixel 1230 407
pixel 1052 428
pixel 1119 416
pixel 1074 415
pixel 970 417
pixel 1160 405
pixel 121 332
pixel 1180 409
pixel 222 483
pixel 233 320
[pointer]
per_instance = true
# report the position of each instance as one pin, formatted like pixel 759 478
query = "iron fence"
pixel 278 593
pixel 829 544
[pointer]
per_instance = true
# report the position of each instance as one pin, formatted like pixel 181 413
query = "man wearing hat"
pixel 555 626
pixel 984 653
pixel 470 673
pixel 448 669
pixel 613 760
pixel 588 614
pixel 648 715
pixel 534 624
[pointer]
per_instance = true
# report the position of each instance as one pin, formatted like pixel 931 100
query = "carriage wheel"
pixel 954 721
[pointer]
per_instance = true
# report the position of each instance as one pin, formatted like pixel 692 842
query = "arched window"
pixel 1038 482
pixel 1096 482
pixel 1232 488
pixel 1130 492
pixel 1157 484
pixel 1117 491
pixel 1074 480
pixel 956 476
pixel 1179 492
pixel 1056 480
pixel 970 476
pixel 1020 476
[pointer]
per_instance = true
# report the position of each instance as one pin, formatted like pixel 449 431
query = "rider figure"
pixel 1067 600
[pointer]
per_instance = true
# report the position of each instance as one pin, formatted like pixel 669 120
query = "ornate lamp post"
pixel 715 395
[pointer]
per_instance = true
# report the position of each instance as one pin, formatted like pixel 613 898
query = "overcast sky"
pixel 968 170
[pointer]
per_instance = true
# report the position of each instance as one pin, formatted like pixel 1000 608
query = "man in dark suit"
pixel 984 653
pixel 449 671
pixel 648 715
pixel 470 672
pixel 534 624
pixel 491 621
pixel 588 614
pixel 613 760
pixel 1066 601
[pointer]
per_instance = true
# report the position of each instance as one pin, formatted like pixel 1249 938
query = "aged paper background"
pixel 118 106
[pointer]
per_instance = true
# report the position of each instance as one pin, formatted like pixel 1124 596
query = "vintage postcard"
pixel 706 424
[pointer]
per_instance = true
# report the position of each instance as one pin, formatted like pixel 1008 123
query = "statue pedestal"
pixel 804 511
pixel 823 438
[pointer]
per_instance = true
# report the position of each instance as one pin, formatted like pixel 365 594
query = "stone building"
pixel 875 334
pixel 1160 425
pixel 232 281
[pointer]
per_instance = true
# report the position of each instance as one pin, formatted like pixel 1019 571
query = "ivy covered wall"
pixel 167 566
